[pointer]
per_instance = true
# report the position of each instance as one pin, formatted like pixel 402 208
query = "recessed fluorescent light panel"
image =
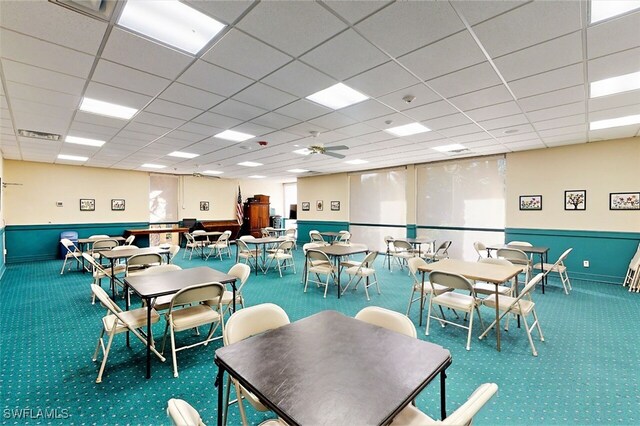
pixel 615 122
pixel 153 166
pixel 297 171
pixel 449 148
pixel 621 83
pixel 95 106
pixel 256 177
pixel 72 157
pixel 180 154
pixel 356 161
pixel 337 96
pixel 408 129
pixel 232 135
pixel 249 164
pixel 212 172
pixel 303 151
pixel 605 9
pixel 170 22
pixel 83 141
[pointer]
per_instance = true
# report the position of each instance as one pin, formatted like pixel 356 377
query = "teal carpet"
pixel 586 371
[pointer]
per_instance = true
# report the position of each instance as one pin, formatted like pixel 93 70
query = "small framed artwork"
pixel 306 206
pixel 575 199
pixel 87 204
pixel 319 205
pixel 624 201
pixel 204 206
pixel 335 205
pixel 531 202
pixel 117 204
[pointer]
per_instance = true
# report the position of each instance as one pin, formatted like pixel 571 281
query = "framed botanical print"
pixel 575 199
pixel 624 201
pixel 87 204
pixel 117 204
pixel 531 202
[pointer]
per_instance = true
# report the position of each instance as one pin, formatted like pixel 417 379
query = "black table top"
pixel 149 286
pixel 342 249
pixel 335 370
pixel 125 253
pixel 526 249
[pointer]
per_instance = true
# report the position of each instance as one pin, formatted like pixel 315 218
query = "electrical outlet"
pixel 585 263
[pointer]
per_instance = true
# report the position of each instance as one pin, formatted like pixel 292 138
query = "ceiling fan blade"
pixel 335 148
pixel 334 155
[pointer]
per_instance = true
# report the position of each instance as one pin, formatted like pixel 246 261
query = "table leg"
pixel 338 268
pixel 422 299
pixel 219 385
pixel 443 396
pixel 149 338
pixel 498 314
pixel 113 279
pixel 126 304
pixel 543 259
pixel 233 286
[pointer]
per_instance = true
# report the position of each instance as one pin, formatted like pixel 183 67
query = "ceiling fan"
pixel 327 150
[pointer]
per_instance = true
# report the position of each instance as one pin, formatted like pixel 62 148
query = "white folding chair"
pixel 182 413
pixel 385 318
pixel 559 268
pixel 99 272
pixel 318 263
pixel 220 246
pixel 73 252
pixel 481 249
pixel 283 256
pixel 428 290
pixel 364 270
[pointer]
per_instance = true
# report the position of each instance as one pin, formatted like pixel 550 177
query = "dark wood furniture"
pixel 337 252
pixel 150 287
pixel 220 226
pixel 256 215
pixel 334 370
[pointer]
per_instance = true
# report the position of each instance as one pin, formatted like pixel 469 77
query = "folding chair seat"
pixel 364 270
pixel 283 256
pixel 318 263
pixel 220 246
pixel 429 289
pixel 522 305
pixel 559 268
pixel 118 321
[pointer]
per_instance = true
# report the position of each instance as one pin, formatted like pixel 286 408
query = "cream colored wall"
pixel 220 193
pixel 325 188
pixel 41 185
pixel 597 167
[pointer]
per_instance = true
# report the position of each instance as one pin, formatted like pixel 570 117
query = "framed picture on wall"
pixel 624 201
pixel 204 206
pixel 335 205
pixel 531 202
pixel 117 204
pixel 306 206
pixel 319 205
pixel 87 204
pixel 575 199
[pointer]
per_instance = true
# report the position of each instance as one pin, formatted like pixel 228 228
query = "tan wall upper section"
pixel 599 168
pixel 326 189
pixel 42 185
pixel 221 194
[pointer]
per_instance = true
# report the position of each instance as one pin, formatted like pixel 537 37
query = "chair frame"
pixel 283 255
pixel 559 268
pixel 364 271
pixel 221 245
pixel 75 253
pixel 323 268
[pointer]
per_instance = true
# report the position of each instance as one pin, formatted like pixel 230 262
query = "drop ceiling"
pixel 494 76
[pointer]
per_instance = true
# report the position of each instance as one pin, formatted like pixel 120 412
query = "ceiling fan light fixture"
pixel 337 96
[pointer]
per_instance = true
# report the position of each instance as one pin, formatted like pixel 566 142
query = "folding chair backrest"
pixel 189 238
pixel 344 236
pixel 369 259
pixel 223 238
pixel 254 320
pixel 106 244
pixel 290 232
pixel 514 256
pixel 316 237
pixel 450 280
pixel 197 293
pixel 105 299
pixel 531 285
pixel 99 236
pixel 562 257
pixel 414 263
pixel 520 243
pixel 317 255
pixel 444 247
pixel 388 319
pixel 247 237
pixel 241 272
pixel 159 269
pixel 479 246
pixel 402 245
pixel 148 259
pixel 464 414
pixel 68 244
pixel 308 246
pixel 182 413
pixel 242 246
pixel 173 250
pixel 129 240
pixel 95 265
pixel 285 246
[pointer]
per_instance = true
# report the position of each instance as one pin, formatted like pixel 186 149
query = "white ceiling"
pixel 495 76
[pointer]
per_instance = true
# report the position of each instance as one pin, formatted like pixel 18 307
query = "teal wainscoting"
pixel 412 230
pixel 304 226
pixel 25 243
pixel 608 253
pixel 3 267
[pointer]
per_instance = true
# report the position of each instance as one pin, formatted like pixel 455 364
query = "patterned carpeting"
pixel 586 371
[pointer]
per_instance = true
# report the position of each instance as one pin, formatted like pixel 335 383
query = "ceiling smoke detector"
pixel 408 98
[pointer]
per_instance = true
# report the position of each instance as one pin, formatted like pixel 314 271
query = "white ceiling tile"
pixel 548 81
pixel 40 77
pixel 464 81
pixel 344 56
pixel 499 123
pixel 48 21
pixel 614 101
pixel 517 133
pixel 613 65
pixel 39 95
pixel 92 131
pixel 483 97
pixel 530 24
pixel 526 145
pixel 264 96
pixel 185 135
pixel 356 130
pixel 366 110
pixel 354 11
pixel 245 55
pixel 115 95
pixel 199 129
pixel 299 79
pixel 142 138
pixel 454 52
pixel 127 78
pixel 560 122
pixel 214 79
pixel 452 120
pixel 613 36
pixel 303 110
pixel 551 99
pixel 421 93
pixel 43 123
pixel 281 137
pixel 465 132
pixel 334 120
pixel 28 107
pixel 99 120
pixel 578 128
pixel 293 27
pixel 432 110
pixel 190 96
pixel 383 79
pixel 225 11
pixel 275 121
pixel 559 111
pixel 253 129
pixel 158 120
pixel 216 120
pixel 42 54
pixel 171 109
pixel 477 11
pixel 567 139
pixel 389 121
pixel 239 110
pixel 622 111
pixel 556 53
pixel 146 128
pixel 517 137
pixel 400 27
pixel 494 111
pixel 144 55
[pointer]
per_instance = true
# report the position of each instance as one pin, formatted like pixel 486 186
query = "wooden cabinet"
pixel 256 215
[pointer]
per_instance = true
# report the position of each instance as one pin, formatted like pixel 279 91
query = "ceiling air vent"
pixel 101 9
pixel 38 135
